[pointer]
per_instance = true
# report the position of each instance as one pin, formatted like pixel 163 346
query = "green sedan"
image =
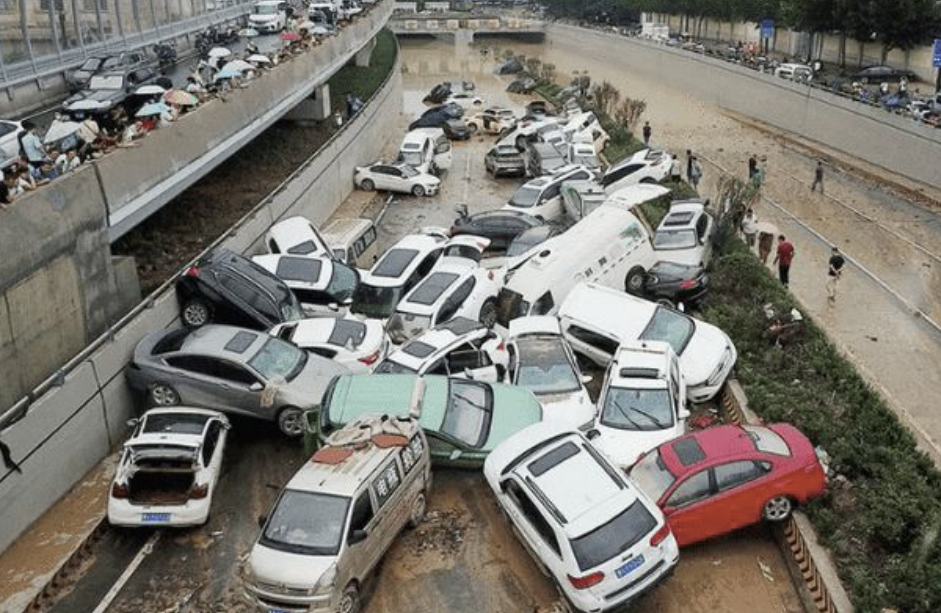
pixel 464 420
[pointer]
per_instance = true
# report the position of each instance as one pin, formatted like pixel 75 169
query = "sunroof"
pixel 460 325
pixel 689 452
pixel 553 458
pixel 640 373
pixel 678 219
pixel 299 269
pixel 303 248
pixel 395 262
pixel 432 288
pixel 240 342
pixel 418 349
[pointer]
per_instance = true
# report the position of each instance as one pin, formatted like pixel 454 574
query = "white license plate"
pixel 155 518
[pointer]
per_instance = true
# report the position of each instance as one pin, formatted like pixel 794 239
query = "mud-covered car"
pixel 505 160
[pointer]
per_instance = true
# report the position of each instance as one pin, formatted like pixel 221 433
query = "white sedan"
pixel 643 402
pixel 493 120
pixel 541 360
pixel 358 345
pixel 396 178
pixel 169 468
pixel 645 166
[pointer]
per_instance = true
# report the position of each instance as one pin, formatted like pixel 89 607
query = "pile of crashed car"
pixel 469 347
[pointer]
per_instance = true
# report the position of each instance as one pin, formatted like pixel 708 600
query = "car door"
pixel 460 302
pixel 705 228
pixel 389 493
pixel 234 305
pixel 599 348
pixel 549 206
pixel 443 154
pixel 739 494
pixel 469 362
pixel 359 555
pixel 381 178
pixel 237 388
pixel 194 379
pixel 532 528
pixel 687 507
pixel 212 452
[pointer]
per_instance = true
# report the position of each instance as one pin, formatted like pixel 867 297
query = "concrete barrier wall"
pixel 869 133
pixel 72 427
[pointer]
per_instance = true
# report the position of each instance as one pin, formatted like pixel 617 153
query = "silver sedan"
pixel 232 370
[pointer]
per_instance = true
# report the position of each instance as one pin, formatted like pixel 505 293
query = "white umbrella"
pixel 150 90
pixel 240 65
pixel 85 105
pixel 258 59
pixel 248 32
pixel 219 52
pixel 154 108
pixel 61 129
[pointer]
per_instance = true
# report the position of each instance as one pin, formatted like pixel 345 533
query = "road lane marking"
pixel 128 572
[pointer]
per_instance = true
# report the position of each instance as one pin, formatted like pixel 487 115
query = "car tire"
pixel 488 313
pixel 291 421
pixel 634 281
pixel 418 191
pixel 163 395
pixel 777 509
pixel 196 313
pixel 416 514
pixel 648 181
pixel 367 185
pixel 350 601
pixel 472 128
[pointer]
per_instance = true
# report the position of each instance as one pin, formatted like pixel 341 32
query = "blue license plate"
pixel 155 518
pixel 630 566
pixel 277 611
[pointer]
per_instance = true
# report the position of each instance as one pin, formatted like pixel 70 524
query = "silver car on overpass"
pixel 234 370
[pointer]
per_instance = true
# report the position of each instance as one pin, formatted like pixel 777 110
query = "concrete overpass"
pixel 465 28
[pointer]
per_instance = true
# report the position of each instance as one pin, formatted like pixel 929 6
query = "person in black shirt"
pixel 6 191
pixel 834 273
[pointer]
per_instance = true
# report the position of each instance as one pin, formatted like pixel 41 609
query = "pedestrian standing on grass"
pixel 834 273
pixel 752 167
pixel 647 132
pixel 676 171
pixel 695 173
pixel 818 178
pixel 783 258
pixel 750 228
pixel 689 165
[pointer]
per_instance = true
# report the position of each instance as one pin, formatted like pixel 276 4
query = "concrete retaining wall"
pixel 871 134
pixel 73 426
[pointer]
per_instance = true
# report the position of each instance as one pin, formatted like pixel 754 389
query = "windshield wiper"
pixel 624 414
pixel 656 421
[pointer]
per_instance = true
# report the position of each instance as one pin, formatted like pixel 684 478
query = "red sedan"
pixel 717 480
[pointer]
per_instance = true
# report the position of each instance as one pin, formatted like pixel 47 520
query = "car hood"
pixel 514 408
pixel 98 95
pixel 686 257
pixel 574 409
pixel 291 570
pixel 701 357
pixel 262 18
pixel 316 376
pixel 624 447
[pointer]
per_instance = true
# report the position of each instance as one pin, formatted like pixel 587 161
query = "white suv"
pixel 600 538
pixel 643 403
pixel 645 166
pixel 542 197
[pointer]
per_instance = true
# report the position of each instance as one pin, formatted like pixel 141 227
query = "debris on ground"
pixel 442 531
pixel 766 571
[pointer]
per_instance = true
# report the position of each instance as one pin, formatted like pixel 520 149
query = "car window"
pixel 670 327
pixel 362 512
pixel 307 523
pixel 702 225
pixel 250 295
pixel 428 263
pixel 465 357
pixel 323 352
pixel 544 304
pixel 6 128
pixel 619 173
pixel 613 538
pixel 734 474
pixel 694 489
pixel 234 373
pixel 388 481
pixel 544 366
pixel 212 439
pixel 272 246
pixel 194 364
pixel 603 343
pixel 412 454
pixel 467 417
pixel 532 514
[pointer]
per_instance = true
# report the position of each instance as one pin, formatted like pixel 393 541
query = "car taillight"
pixel 199 491
pixel 689 284
pixel 192 271
pixel 660 536
pixel 120 490
pixel 583 583
pixel 369 360
pixel 501 346
pixel 490 275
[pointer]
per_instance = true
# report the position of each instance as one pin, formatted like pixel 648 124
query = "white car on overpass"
pixel 269 15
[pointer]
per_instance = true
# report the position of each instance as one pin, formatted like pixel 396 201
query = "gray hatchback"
pixel 234 370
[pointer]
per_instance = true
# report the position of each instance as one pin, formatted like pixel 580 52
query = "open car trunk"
pixel 162 476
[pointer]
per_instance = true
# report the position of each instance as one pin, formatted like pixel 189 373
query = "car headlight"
pixel 326 581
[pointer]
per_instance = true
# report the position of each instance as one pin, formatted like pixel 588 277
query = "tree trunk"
pixel 842 50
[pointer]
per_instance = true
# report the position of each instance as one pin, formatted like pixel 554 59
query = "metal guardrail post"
pixel 54 27
pixel 153 13
pixel 118 18
pixel 3 65
pixel 24 25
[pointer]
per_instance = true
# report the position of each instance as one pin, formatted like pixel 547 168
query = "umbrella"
pixel 150 90
pixel 290 37
pixel 240 65
pixel 259 59
pixel 219 52
pixel 178 96
pixel 61 129
pixel 228 73
pixel 248 32
pixel 154 108
pixel 85 105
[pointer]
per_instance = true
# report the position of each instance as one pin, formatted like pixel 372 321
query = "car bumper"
pixel 622 602
pixel 269 602
pixel 431 190
pixel 127 514
pixel 508 171
pixel 707 390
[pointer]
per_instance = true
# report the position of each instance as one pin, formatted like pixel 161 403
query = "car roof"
pixel 441 339
pixel 640 364
pixel 358 395
pixel 631 196
pixel 291 231
pixel 533 325
pixel 313 272
pixel 447 276
pixel 330 472
pixel 422 243
pixel 686 453
pixel 174 438
pixel 227 342
pixel 619 311
pixel 345 227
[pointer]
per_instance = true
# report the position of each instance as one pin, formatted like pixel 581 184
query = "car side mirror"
pixel 132 423
pixel 683 414
pixel 468 373
pixel 256 387
pixel 592 434
pixel 333 306
pixel 455 455
pixel 262 520
pixel 586 379
pixel 357 536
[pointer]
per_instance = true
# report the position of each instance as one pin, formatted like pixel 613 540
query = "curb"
pixel 808 562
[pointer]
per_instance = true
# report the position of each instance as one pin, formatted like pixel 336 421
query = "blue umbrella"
pixel 154 108
pixel 228 73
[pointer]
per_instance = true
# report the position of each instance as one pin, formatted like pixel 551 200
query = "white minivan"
pixel 427 150
pixel 338 515
pixel 542 197
pixel 353 241
pixel 609 246
pixel 269 15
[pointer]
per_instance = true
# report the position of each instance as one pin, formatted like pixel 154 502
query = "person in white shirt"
pixel 750 228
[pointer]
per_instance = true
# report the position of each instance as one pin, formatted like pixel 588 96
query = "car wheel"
pixel 350 601
pixel 162 395
pixel 778 509
pixel 648 181
pixel 488 313
pixel 367 185
pixel 418 191
pixel 417 513
pixel 634 281
pixel 472 128
pixel 195 313
pixel 291 421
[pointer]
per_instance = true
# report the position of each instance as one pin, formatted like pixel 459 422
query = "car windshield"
pixel 266 9
pixel 307 523
pixel 347 333
pixel 637 409
pixel 544 367
pixel 588 161
pixel 670 327
pixel 408 172
pixel 527 240
pixel 375 302
pixel 175 423
pixel 672 269
pixel 388 367
pixel 613 538
pixel 651 475
pixel 278 359
pixel 525 196
pixel 343 283
pixel 674 239
pixel 467 417
pixel 767 440
pixel 412 158
pixel 405 326
pixel 291 310
pixel 106 82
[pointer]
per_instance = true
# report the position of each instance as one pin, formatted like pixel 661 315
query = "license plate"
pixel 630 566
pixel 155 518
pixel 277 611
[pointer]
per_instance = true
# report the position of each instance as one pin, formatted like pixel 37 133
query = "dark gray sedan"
pixel 234 370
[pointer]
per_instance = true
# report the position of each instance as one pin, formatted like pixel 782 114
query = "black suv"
pixel 223 287
pixel 114 88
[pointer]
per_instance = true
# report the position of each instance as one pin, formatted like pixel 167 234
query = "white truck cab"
pixel 426 150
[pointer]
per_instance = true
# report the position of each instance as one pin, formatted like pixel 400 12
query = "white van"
pixel 269 15
pixel 610 246
pixel 426 150
pixel 355 242
pixel 338 515
pixel 542 197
